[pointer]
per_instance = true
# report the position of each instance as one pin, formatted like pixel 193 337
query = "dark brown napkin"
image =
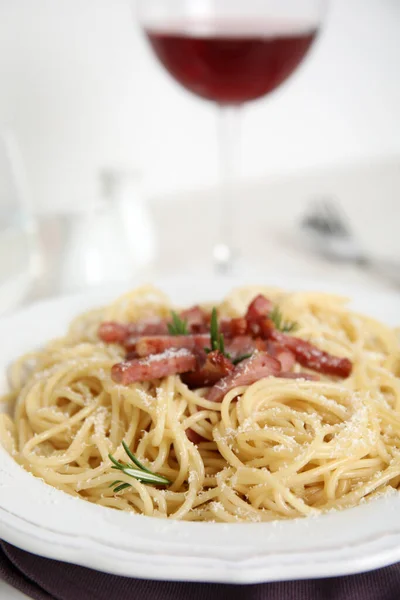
pixel 45 579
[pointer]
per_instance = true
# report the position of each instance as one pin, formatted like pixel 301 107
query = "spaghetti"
pixel 284 446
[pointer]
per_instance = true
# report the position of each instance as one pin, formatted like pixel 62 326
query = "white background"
pixel 83 92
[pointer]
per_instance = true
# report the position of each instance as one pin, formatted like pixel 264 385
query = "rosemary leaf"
pixel 136 470
pixel 214 329
pixel 221 343
pixel 178 326
pixel 117 464
pixel 279 322
pixel 145 477
pixel 134 459
pixel 239 359
pixel 216 338
pixel 121 487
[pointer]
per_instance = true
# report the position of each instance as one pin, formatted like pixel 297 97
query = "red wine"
pixel 230 67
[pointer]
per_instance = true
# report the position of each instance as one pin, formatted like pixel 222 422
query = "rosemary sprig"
pixel 141 473
pixel 178 326
pixel 279 322
pixel 217 339
pixel 239 359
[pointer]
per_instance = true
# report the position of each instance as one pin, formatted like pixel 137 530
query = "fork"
pixel 329 230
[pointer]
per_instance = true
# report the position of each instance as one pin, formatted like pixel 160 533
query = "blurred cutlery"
pixel 329 230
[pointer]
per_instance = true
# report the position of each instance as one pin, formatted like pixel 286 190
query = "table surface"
pixel 9 593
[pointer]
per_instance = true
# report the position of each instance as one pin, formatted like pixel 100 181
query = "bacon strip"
pixel 154 326
pixel 155 344
pixel 266 327
pixel 152 353
pixel 194 437
pixel 249 371
pixel 306 376
pixel 214 367
pixel 259 307
pixel 285 356
pixel 113 333
pixel 120 333
pixel 258 310
pixel 233 327
pixel 244 344
pixel 171 362
pixel 196 318
pixel 311 357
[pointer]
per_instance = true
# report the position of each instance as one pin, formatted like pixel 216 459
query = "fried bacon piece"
pixel 194 437
pixel 130 345
pixel 305 353
pixel 233 327
pixel 244 344
pixel 240 345
pixel 311 357
pixel 153 353
pixel 249 371
pixel 285 356
pixel 266 327
pixel 170 362
pixel 197 320
pixel 306 376
pixel 143 328
pixel 119 333
pixel 155 344
pixel 213 367
pixel 154 326
pixel 258 310
pixel 112 332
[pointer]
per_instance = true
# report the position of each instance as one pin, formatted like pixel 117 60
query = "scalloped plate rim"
pixel 348 555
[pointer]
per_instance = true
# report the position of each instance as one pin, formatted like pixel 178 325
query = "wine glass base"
pixel 224 259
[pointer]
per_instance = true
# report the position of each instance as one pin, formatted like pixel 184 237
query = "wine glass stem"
pixel 228 141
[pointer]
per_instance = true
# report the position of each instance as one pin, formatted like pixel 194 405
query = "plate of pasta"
pixel 237 436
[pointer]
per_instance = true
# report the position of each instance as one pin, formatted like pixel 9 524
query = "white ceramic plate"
pixel 43 520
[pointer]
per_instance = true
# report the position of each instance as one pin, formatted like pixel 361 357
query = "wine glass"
pixel 230 52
